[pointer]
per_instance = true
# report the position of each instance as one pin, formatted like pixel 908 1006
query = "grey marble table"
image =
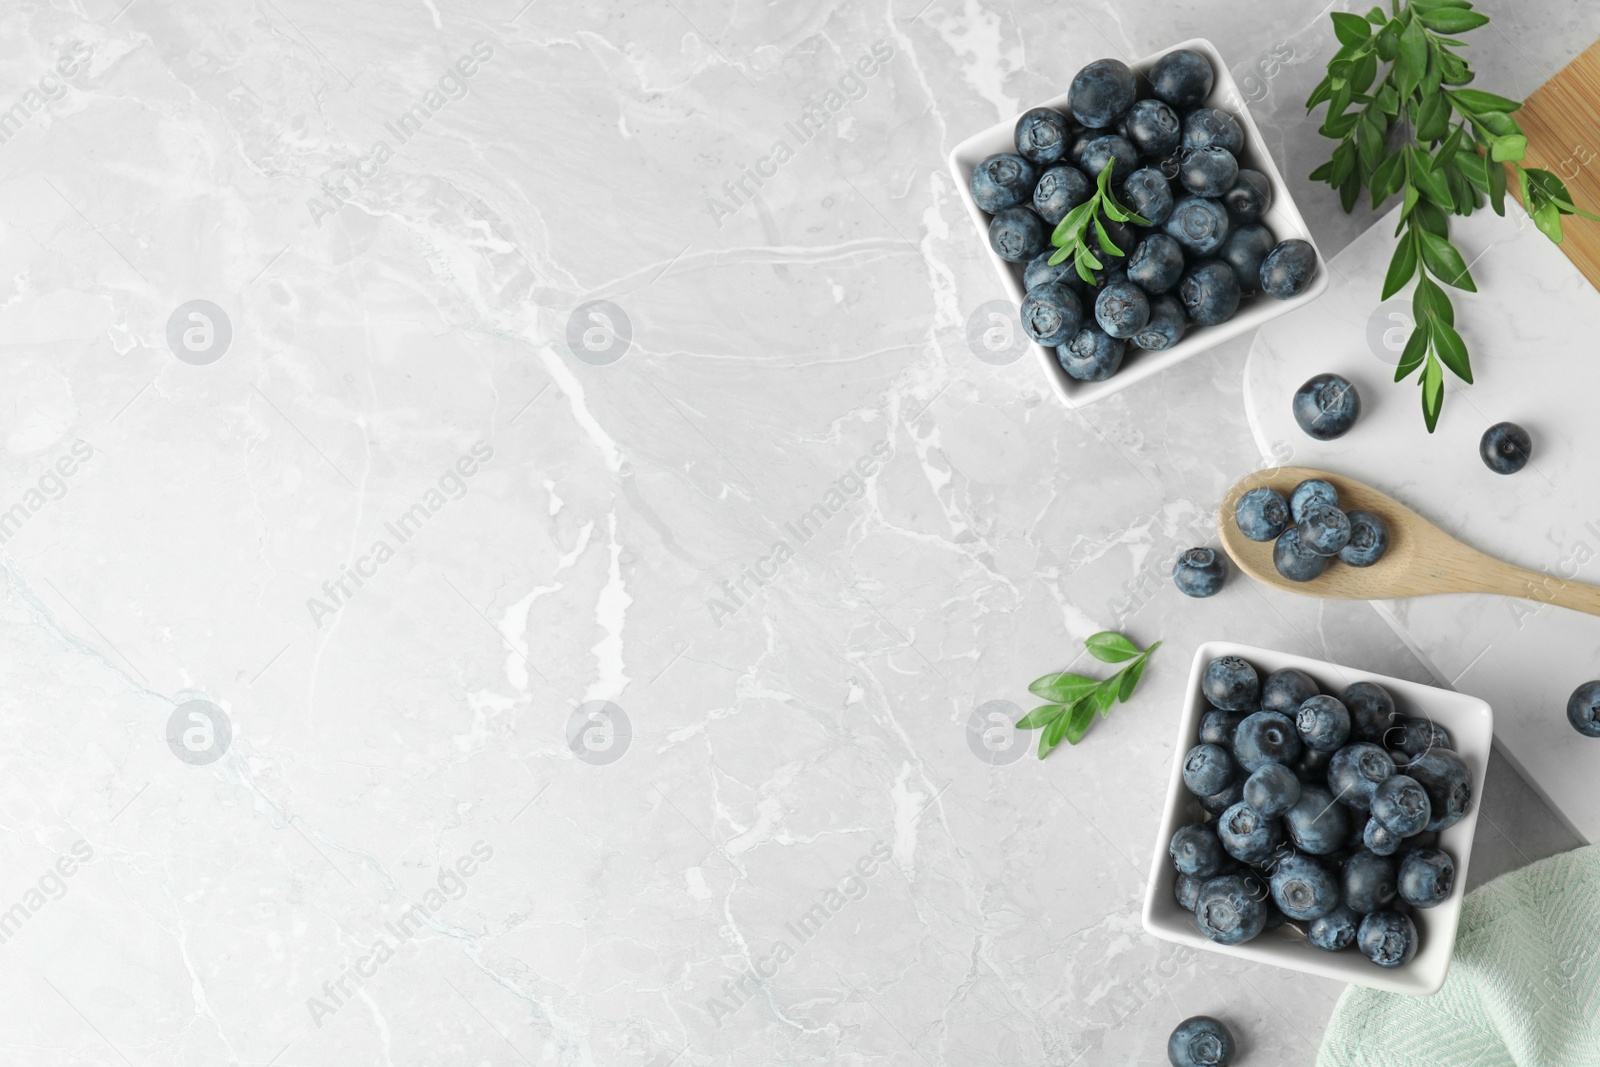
pixel 653 748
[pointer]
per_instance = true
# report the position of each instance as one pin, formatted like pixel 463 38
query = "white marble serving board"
pixel 1531 330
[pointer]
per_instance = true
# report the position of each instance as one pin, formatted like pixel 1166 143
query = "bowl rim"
pixel 1426 973
pixel 1284 218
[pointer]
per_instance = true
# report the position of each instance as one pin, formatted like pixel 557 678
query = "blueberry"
pixel 1311 491
pixel 1288 269
pixel 1200 1041
pixel 1199 225
pixel 1401 804
pixel 1327 405
pixel 1231 684
pixel 1217 803
pixel 1387 938
pixel 1091 356
pixel 1335 931
pixel 1246 247
pixel 1230 909
pixel 1182 78
pixel 1109 149
pixel 1261 514
pixel 1153 128
pixel 1448 782
pixel 1265 737
pixel 1101 92
pixel 1217 727
pixel 1060 189
pixel 1122 309
pixel 1371 711
pixel 1017 234
pixel 1284 691
pixel 1186 889
pixel 1312 766
pixel 1248 835
pixel 1210 293
pixel 1379 839
pixel 1583 709
pixel 1199 572
pixel 1323 723
pixel 1156 264
pixel 1272 790
pixel 1002 181
pixel 1304 889
pixel 1250 198
pixel 1413 737
pixel 1324 529
pixel 1208 172
pixel 1316 824
pixel 1426 877
pixel 1166 325
pixel 1206 127
pixel 1195 850
pixel 1369 539
pixel 1505 448
pixel 1356 770
pixel 1043 135
pixel 1149 194
pixel 1369 881
pixel 1039 272
pixel 1208 769
pixel 1294 560
pixel 1051 314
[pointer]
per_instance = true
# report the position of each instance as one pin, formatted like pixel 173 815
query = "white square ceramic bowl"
pixel 1471 726
pixel 1283 219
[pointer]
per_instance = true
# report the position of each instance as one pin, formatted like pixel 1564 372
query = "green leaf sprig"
pixel 1074 698
pixel 1417 132
pixel 1072 233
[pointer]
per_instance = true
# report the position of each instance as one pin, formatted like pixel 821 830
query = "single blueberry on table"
pixel 1206 127
pixel 1210 293
pixel 1217 803
pixel 1217 727
pixel 1208 769
pixel 1153 128
pixel 1272 790
pixel 1324 529
pixel 1166 325
pixel 1182 78
pixel 1369 881
pixel 1263 738
pixel 1244 251
pixel 1017 234
pixel 1002 181
pixel 1195 850
pixel 1294 560
pixel 1201 226
pixel 1092 355
pixel 1335 931
pixel 1122 310
pixel 1288 269
pixel 1230 910
pixel 1186 889
pixel 1247 835
pixel 1355 771
pixel 1316 824
pixel 1101 92
pixel 1401 804
pixel 1060 189
pixel 1449 784
pixel 1426 877
pixel 1109 148
pixel 1039 272
pixel 1231 684
pixel 1505 448
pixel 1157 264
pixel 1262 514
pixel 1583 709
pixel 1043 135
pixel 1250 198
pixel 1369 539
pixel 1387 938
pixel 1303 888
pixel 1378 838
pixel 1323 723
pixel 1200 572
pixel 1371 711
pixel 1149 194
pixel 1413 737
pixel 1311 491
pixel 1208 172
pixel 1051 314
pixel 1200 1041
pixel 1326 406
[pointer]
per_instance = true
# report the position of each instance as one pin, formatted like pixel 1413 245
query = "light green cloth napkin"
pixel 1523 988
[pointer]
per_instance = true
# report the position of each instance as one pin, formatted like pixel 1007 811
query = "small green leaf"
pixel 1059 255
pixel 1512 148
pixel 1377 17
pixel 1052 735
pixel 1063 688
pixel 1323 92
pixel 1451 147
pixel 1108 646
pixel 1104 181
pixel 1412 62
pixel 1087 256
pixel 1429 301
pixel 1041 716
pixel 1072 225
pixel 1350 192
pixel 1107 245
pixel 1350 29
pixel 1548 218
pixel 1083 270
pixel 1432 393
pixel 1416 349
pixel 1497 123
pixel 1130 678
pixel 1431 183
pixel 1452 20
pixel 1077 723
pixel 1451 348
pixel 1476 102
pixel 1106 695
pixel 1445 263
pixel 1402 267
pixel 1113 211
pixel 1389 42
pixel 1433 118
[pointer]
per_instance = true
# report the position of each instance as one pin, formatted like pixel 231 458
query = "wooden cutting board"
pixel 1562 121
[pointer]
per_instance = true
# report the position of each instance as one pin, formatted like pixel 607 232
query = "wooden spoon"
pixel 1422 559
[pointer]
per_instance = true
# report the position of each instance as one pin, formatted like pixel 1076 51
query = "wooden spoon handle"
pixel 1544 588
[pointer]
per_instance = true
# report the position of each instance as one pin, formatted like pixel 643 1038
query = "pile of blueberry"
pixel 1175 163
pixel 1310 529
pixel 1325 809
